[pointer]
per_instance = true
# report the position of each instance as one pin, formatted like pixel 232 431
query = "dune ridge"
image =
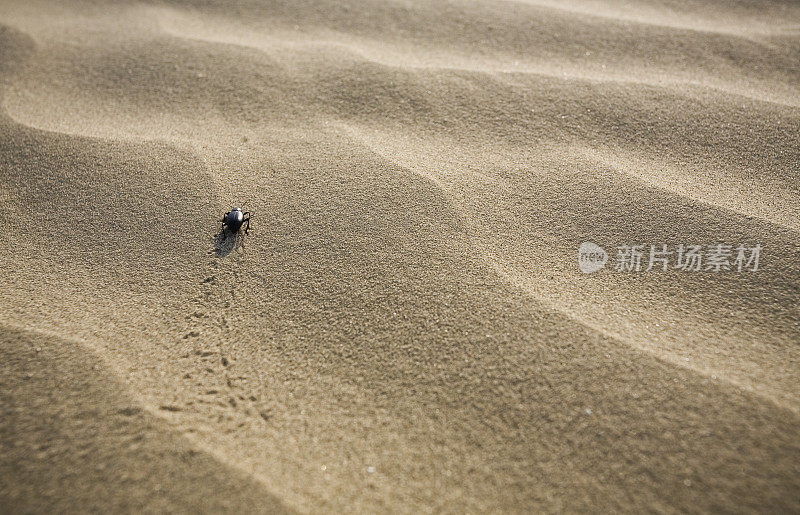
pixel 535 284
pixel 71 449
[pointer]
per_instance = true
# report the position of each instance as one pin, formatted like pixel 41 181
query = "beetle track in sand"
pixel 216 386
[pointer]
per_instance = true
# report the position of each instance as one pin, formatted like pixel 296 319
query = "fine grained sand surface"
pixel 405 328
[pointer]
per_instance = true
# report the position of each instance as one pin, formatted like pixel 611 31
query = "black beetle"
pixel 235 218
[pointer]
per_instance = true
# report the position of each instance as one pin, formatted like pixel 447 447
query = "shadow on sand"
pixel 226 242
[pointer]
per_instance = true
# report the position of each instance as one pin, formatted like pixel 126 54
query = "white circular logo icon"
pixel 591 257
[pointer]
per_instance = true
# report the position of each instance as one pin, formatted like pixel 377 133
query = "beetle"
pixel 235 218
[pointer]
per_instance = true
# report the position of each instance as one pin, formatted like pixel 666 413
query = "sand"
pixel 405 328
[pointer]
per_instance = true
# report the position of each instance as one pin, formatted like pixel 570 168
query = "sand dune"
pixel 405 328
pixel 72 438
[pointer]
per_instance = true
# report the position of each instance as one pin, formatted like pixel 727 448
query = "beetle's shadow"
pixel 226 242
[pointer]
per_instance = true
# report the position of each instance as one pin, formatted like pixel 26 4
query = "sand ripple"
pixel 406 327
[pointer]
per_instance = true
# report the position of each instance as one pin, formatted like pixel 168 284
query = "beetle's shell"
pixel 234 220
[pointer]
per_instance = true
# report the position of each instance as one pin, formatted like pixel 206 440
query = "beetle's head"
pixel 236 209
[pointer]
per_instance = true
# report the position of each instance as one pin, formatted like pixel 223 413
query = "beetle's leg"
pixel 247 221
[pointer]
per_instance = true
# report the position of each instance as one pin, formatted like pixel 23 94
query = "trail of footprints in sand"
pixel 214 377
